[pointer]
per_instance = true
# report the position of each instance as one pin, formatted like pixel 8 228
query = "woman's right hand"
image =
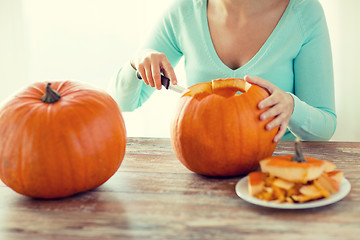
pixel 150 64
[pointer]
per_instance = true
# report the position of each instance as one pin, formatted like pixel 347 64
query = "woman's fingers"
pixel 271 112
pixel 260 82
pixel 268 102
pixel 141 70
pixel 281 120
pixel 281 132
pixel 151 64
pixel 155 72
pixel 280 106
pixel 169 71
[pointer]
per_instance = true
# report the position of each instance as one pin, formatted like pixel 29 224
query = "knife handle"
pixel 164 80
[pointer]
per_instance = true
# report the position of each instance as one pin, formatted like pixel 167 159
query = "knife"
pixel 167 84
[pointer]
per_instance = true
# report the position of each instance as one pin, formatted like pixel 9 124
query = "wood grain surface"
pixel 152 196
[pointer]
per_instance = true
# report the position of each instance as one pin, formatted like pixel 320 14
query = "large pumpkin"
pixel 217 132
pixel 59 139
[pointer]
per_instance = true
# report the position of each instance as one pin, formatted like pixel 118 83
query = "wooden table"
pixel 153 196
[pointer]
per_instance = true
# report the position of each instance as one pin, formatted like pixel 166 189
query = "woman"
pixel 283 44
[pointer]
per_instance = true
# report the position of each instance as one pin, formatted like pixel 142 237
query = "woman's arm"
pixel 130 92
pixel 309 112
pixel 314 116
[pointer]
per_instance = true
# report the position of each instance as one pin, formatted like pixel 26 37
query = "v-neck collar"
pixel 262 51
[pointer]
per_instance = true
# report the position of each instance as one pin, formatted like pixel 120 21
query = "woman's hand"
pixel 150 64
pixel 280 103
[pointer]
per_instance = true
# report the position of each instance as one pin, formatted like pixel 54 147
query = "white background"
pixel 87 40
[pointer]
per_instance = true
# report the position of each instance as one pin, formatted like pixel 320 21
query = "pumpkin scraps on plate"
pixel 294 179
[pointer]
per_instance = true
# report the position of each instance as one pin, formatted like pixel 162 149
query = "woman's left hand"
pixel 280 103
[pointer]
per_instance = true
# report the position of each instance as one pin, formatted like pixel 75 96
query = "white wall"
pixel 13 50
pixel 88 40
pixel 343 21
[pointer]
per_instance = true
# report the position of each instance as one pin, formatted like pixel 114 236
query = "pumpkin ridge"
pixel 43 145
pixel 92 107
pixel 27 142
pixel 178 133
pixel 75 142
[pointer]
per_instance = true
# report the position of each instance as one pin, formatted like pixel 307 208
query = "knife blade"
pixel 167 84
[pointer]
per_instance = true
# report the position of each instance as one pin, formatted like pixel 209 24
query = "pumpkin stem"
pixel 298 157
pixel 50 96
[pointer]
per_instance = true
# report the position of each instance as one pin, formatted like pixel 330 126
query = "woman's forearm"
pixel 127 90
pixel 311 123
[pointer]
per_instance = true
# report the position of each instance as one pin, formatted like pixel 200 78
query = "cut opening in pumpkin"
pixel 222 87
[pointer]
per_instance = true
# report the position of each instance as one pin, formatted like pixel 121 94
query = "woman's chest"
pixel 239 38
pixel 236 47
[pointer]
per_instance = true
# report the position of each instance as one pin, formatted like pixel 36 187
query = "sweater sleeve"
pixel 130 92
pixel 314 115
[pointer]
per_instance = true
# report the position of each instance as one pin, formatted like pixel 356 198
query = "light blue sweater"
pixel 296 57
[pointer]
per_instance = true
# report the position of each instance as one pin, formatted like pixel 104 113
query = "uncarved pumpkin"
pixel 216 132
pixel 59 139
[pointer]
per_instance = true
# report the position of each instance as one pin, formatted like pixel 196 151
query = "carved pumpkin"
pixel 217 132
pixel 59 139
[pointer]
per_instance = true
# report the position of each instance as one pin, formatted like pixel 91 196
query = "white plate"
pixel 242 191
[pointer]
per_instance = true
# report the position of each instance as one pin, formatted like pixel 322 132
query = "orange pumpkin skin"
pixel 216 132
pixel 54 150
